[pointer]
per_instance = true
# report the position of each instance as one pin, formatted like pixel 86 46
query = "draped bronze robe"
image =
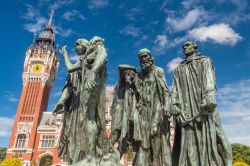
pixel 154 96
pixel 83 135
pixel 199 138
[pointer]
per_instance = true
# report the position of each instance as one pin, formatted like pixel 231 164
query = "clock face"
pixel 37 68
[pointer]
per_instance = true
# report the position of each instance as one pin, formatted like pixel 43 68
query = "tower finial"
pixel 47 37
pixel 32 45
pixel 50 23
pixel 34 39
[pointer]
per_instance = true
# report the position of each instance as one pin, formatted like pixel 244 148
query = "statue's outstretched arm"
pixel 65 96
pixel 70 67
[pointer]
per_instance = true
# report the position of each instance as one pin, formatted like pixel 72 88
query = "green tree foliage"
pixel 240 164
pixel 46 160
pixel 2 154
pixel 11 162
pixel 241 153
pixel 130 156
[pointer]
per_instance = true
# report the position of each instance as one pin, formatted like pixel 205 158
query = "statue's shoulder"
pixel 180 65
pixel 159 71
pixel 205 59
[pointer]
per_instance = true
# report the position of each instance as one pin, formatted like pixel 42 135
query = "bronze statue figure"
pixel 83 140
pixel 123 107
pixel 70 100
pixel 140 113
pixel 142 106
pixel 151 129
pixel 199 138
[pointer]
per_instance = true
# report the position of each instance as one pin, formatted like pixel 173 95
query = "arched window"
pixel 46 160
pixel 21 139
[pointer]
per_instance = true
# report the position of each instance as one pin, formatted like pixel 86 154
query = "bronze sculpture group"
pixel 142 106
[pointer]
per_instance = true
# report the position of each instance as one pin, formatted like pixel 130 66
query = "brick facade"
pixel 40 68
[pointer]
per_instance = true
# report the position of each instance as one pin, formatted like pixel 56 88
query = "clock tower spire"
pixel 40 68
pixel 47 37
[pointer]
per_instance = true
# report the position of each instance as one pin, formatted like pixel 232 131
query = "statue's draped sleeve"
pixel 117 110
pixel 163 94
pixel 209 86
pixel 175 105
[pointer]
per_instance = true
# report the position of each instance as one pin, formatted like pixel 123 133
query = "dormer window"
pixel 47 141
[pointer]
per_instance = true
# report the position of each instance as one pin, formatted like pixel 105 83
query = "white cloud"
pixel 187 20
pixel 33 15
pixel 63 32
pixel 160 44
pixel 244 139
pixel 37 22
pixel 187 4
pixel 10 96
pixel 133 13
pixel 98 4
pixel 237 14
pixel 60 3
pixel 164 5
pixel 131 30
pixel 6 126
pixel 139 41
pixel 31 12
pixel 161 40
pixel 240 4
pixel 178 41
pixel 70 15
pixel 234 107
pixel 37 26
pixel 173 64
pixel 217 33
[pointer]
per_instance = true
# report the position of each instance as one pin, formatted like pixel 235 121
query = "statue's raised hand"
pixel 63 51
pixel 57 108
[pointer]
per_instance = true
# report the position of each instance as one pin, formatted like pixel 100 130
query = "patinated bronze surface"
pixel 151 125
pixel 142 106
pixel 123 107
pixel 199 138
pixel 140 113
pixel 83 140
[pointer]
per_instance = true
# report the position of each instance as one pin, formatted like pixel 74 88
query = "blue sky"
pixel 220 28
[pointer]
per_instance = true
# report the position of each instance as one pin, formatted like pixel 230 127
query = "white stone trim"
pixel 28 150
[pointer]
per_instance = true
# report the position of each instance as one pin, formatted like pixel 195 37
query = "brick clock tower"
pixel 40 68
